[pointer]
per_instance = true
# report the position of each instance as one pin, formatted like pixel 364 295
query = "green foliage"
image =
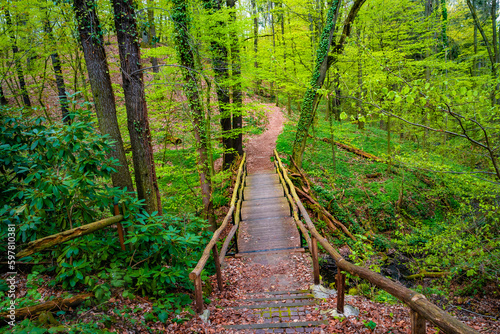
pixel 52 175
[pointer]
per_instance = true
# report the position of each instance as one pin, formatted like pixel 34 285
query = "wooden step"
pixel 286 292
pixel 279 298
pixel 265 209
pixel 266 191
pixel 261 179
pixel 277 304
pixel 297 324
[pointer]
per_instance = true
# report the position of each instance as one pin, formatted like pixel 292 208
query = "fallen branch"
pixel 56 304
pixel 56 239
pixel 325 213
pixel 428 274
pixel 352 149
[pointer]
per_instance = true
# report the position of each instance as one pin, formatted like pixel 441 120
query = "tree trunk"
pixel 221 69
pixel 152 34
pixel 237 134
pixel 186 59
pixel 56 64
pixel 19 69
pixel 319 74
pixel 100 83
pixel 3 100
pixel 258 87
pixel 135 103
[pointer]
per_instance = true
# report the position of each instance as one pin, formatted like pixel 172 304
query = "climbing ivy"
pixel 310 96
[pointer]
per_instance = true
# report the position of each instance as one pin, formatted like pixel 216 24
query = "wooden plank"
pixel 295 324
pixel 263 192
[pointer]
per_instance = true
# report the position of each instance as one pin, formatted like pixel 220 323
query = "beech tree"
pixel 135 103
pixel 98 72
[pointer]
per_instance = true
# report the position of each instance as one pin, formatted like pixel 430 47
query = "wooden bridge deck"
pixel 266 222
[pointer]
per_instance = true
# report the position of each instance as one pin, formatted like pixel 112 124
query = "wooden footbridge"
pixel 269 223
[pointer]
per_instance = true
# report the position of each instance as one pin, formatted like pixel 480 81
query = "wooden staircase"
pixel 280 312
pixel 268 235
pixel 266 221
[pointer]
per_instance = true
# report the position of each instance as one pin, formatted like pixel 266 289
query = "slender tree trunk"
pixel 152 34
pixel 221 69
pixel 237 134
pixel 361 124
pixel 491 51
pixel 271 7
pixel 19 69
pixel 100 83
pixel 3 100
pixel 256 45
pixel 186 59
pixel 135 103
pixel 56 64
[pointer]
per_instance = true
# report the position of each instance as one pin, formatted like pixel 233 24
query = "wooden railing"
pixel 234 213
pixel 56 239
pixel 421 310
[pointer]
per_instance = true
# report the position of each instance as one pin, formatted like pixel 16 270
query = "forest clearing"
pixel 250 167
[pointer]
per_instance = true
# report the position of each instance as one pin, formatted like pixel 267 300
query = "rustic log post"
pixel 340 291
pixel 198 295
pixel 314 253
pixel 120 228
pixel 217 267
pixel 417 322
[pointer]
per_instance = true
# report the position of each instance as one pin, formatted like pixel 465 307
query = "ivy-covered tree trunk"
pixel 311 97
pixel 323 63
pixel 135 103
pixel 186 59
pixel 90 33
pixel 221 69
pixel 56 64
pixel 19 69
pixel 237 133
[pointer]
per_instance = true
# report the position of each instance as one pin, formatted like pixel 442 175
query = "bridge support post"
pixel 198 294
pixel 119 227
pixel 314 253
pixel 418 325
pixel 217 267
pixel 340 278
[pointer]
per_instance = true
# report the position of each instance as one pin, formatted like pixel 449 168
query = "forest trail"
pixel 260 148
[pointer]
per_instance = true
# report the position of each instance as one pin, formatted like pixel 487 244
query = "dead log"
pixel 373 175
pixel 352 149
pixel 56 304
pixel 56 239
pixel 327 214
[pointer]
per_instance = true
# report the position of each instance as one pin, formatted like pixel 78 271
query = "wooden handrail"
pixel 295 215
pixel 38 245
pixel 416 301
pixel 212 245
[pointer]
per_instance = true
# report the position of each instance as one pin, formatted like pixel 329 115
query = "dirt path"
pixel 260 148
